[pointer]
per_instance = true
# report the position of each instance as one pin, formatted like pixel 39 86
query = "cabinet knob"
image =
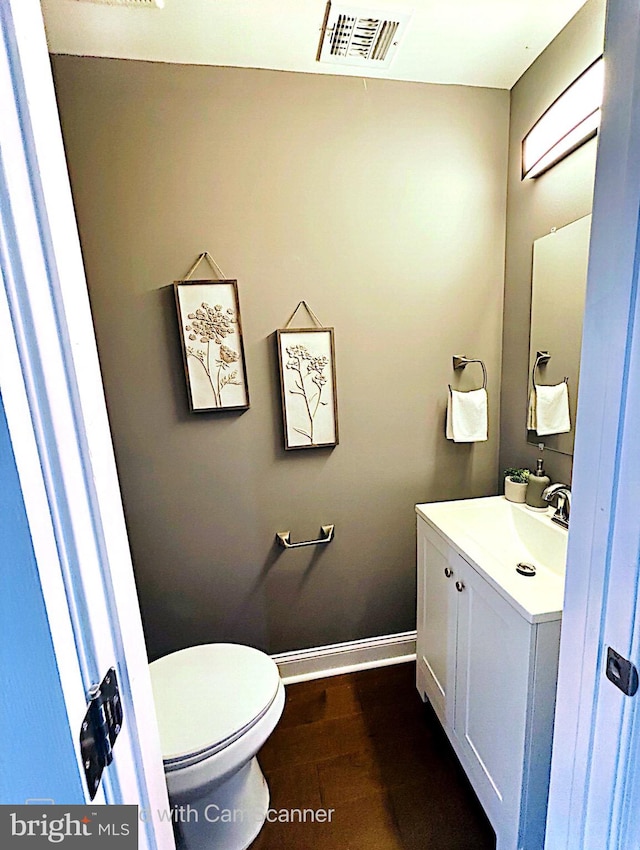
pixel 448 572
pixel 459 586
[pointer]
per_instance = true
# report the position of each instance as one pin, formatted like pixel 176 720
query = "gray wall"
pixel 383 205
pixel 554 199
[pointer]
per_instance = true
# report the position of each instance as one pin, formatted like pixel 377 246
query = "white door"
pixel 52 393
pixel 596 753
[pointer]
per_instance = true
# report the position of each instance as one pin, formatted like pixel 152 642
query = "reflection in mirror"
pixel 557 306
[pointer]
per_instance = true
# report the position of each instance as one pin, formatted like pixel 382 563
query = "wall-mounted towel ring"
pixel 459 362
pixel 542 357
pixel 467 412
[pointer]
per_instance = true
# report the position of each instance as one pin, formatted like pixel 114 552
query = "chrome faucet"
pixel 563 505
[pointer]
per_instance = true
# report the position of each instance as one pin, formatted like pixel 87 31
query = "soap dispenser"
pixel 538 481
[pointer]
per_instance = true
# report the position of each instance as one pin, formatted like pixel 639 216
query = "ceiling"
pixel 467 42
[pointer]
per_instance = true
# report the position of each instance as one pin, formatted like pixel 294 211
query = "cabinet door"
pixel 436 622
pixel 494 646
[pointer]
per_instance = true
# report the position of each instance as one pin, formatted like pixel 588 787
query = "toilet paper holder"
pixel 326 532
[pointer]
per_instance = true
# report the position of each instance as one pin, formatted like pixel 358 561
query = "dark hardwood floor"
pixel 366 746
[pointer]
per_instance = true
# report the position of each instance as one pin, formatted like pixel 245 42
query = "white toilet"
pixel 216 706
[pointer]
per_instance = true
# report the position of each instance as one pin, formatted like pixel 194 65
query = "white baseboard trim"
pixel 320 661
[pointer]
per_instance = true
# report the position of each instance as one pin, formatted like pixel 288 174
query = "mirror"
pixel 557 305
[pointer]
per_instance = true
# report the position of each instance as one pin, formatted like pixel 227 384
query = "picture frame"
pixel 212 344
pixel 306 358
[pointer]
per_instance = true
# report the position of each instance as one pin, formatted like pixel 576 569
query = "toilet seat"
pixel 207 697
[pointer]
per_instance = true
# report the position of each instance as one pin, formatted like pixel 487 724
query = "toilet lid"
pixel 207 694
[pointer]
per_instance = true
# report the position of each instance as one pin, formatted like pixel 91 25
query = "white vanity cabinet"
pixel 490 674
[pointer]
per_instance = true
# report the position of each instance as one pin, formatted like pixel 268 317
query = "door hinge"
pixel 621 672
pixel 100 728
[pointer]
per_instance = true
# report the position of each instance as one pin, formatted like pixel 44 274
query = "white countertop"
pixel 493 535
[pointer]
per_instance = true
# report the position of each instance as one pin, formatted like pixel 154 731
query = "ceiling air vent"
pixel 141 4
pixel 364 37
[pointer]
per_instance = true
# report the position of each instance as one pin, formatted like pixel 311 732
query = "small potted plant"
pixel 515 484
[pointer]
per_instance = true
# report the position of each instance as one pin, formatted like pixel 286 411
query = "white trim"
pixel 337 658
pixel 42 535
pixel 58 423
pixel 22 432
pixel 56 191
pixel 592 752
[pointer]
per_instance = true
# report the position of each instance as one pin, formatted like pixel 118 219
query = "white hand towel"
pixel 531 412
pixel 467 419
pixel 549 409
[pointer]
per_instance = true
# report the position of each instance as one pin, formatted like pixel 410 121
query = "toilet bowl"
pixel 216 705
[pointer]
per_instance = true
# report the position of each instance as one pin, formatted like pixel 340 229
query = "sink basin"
pixel 494 536
pixel 510 531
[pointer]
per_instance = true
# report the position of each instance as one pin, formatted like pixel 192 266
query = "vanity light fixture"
pixel 572 119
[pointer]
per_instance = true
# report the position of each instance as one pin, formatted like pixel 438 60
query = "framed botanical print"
pixel 308 387
pixel 212 348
